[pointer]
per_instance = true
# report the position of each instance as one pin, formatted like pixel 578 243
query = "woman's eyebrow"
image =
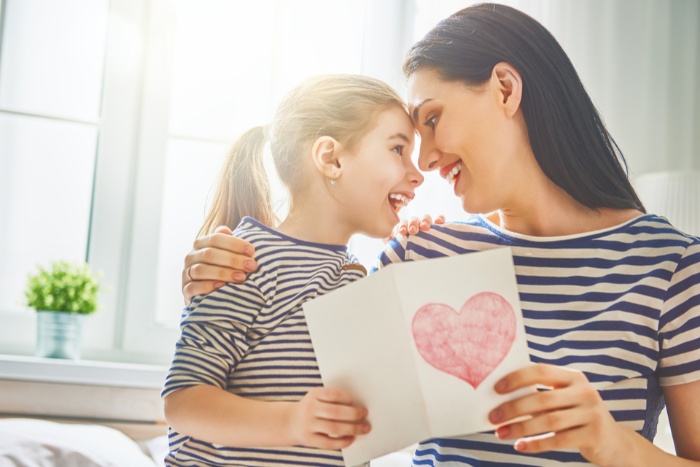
pixel 416 109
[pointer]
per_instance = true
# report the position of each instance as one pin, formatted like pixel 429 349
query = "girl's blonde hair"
pixel 343 107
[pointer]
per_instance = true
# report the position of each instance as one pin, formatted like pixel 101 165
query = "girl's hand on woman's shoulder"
pixel 571 415
pixel 326 418
pixel 215 259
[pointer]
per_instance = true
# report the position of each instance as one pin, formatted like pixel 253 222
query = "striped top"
pixel 622 305
pixel 252 339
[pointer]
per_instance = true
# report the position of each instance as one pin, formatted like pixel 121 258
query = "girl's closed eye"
pixel 398 149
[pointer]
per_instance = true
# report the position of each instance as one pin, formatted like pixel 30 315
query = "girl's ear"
pixel 508 85
pixel 325 153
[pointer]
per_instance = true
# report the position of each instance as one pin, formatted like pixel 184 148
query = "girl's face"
pixel 378 177
pixel 463 136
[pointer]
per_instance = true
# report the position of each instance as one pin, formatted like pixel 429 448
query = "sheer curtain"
pixel 640 60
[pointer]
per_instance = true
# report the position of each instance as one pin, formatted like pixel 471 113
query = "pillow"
pixel 40 443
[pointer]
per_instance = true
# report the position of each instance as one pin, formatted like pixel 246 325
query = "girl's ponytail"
pixel 243 188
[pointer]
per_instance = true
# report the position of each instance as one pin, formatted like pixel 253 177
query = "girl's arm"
pixel 576 415
pixel 324 418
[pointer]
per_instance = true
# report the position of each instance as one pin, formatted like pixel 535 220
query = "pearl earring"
pixel 332 181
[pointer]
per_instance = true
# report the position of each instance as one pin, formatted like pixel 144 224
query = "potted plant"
pixel 62 295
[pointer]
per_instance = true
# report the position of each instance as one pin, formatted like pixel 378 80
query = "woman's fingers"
pixel 554 421
pixel 572 415
pixel 217 256
pixel 550 441
pixel 207 272
pixel 192 289
pixel 220 247
pixel 540 374
pixel 223 230
pixel 414 225
pixel 533 404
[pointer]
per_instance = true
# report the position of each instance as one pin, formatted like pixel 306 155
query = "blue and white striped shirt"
pixel 622 305
pixel 252 339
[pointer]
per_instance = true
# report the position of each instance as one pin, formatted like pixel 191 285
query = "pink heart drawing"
pixel 469 343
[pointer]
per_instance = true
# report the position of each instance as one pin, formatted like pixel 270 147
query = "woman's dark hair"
pixel 568 137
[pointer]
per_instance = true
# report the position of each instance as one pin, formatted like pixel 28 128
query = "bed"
pixel 56 424
pixel 80 425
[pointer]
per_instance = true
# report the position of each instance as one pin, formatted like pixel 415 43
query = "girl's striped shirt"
pixel 622 305
pixel 251 339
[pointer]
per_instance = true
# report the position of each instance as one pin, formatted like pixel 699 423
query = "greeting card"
pixel 421 344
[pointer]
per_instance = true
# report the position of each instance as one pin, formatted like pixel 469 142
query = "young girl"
pixel 244 387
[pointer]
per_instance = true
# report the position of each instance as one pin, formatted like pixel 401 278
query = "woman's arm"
pixel 683 406
pixel 576 415
pixel 219 257
pixel 324 418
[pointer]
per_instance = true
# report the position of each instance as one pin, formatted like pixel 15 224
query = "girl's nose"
pixel 415 177
pixel 428 157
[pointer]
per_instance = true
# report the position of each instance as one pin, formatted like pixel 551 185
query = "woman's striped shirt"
pixel 251 339
pixel 622 305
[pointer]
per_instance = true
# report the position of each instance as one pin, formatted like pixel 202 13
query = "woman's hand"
pixel 571 415
pixel 215 259
pixel 326 419
pixel 414 224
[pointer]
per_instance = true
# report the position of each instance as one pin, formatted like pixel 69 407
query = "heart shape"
pixel 468 344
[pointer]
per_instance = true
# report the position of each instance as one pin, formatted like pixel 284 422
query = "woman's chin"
pixel 472 206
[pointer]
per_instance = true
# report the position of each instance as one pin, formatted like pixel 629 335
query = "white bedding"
pixel 39 443
pixel 28 442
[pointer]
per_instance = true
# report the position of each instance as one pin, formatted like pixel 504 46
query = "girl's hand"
pixel 413 225
pixel 215 259
pixel 571 415
pixel 326 419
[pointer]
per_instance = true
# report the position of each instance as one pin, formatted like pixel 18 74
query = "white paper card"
pixel 421 344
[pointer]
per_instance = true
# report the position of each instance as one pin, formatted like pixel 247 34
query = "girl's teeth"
pixel 400 198
pixel 453 173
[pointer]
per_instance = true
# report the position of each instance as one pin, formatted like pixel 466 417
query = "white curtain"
pixel 640 61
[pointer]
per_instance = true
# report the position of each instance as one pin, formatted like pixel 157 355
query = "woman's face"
pixel 463 136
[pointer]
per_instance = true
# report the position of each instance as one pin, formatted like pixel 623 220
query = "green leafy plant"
pixel 65 286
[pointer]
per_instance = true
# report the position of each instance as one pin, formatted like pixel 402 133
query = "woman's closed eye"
pixel 431 122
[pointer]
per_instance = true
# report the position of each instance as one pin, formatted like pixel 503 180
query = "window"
pixel 51 64
pixel 114 119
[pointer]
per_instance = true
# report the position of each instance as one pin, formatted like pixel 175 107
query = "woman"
pixel 610 295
